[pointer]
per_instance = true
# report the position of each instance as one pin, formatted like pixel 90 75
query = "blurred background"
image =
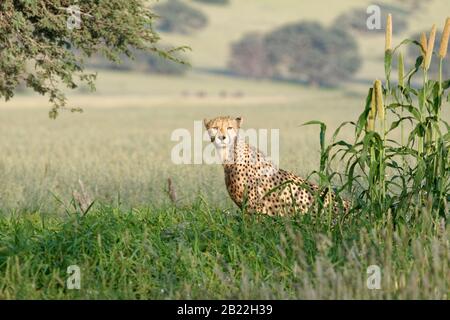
pixel 276 63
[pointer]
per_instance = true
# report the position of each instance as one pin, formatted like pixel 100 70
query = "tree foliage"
pixel 178 17
pixel 249 57
pixel 305 52
pixel 38 48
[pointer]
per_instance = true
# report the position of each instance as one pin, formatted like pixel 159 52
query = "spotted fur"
pixel 254 183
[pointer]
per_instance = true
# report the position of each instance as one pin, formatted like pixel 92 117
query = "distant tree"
pixel 305 52
pixel 178 17
pixel 221 2
pixel 414 52
pixel 356 20
pixel 249 57
pixel 39 42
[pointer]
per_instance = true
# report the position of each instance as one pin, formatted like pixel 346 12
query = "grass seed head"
pixel 370 125
pixel 379 99
pixel 444 39
pixel 430 47
pixel 401 70
pixel 388 45
pixel 423 43
pixel 373 104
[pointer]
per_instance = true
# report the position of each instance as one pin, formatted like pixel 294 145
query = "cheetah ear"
pixel 239 121
pixel 205 122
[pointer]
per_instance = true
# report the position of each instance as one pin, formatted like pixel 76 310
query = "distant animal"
pixel 254 183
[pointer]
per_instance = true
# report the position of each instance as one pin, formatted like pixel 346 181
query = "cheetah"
pixel 254 183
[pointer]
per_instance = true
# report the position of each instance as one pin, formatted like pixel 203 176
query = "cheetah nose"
pixel 222 138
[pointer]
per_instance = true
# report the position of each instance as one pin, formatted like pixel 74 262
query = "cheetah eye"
pixel 230 128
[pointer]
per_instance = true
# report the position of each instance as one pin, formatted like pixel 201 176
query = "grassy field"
pixel 201 252
pixel 126 152
pixel 134 243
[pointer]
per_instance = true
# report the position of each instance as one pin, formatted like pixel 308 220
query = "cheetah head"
pixel 223 131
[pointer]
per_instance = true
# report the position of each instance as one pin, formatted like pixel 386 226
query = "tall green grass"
pixel 383 175
pixel 200 252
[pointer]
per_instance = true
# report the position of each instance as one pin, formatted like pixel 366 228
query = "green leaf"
pixel 362 120
pixel 446 84
pixel 323 129
pixel 417 65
